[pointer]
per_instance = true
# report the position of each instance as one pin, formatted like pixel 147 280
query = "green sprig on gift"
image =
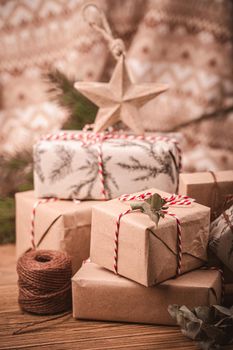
pixel 211 326
pixel 153 207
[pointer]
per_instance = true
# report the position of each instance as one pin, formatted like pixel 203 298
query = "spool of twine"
pixel 44 280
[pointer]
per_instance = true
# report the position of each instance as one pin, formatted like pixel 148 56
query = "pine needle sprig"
pixel 81 111
pixel 15 175
pixel 7 219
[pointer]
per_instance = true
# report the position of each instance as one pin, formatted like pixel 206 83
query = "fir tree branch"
pixel 221 113
pixel 16 175
pixel 7 219
pixel 61 89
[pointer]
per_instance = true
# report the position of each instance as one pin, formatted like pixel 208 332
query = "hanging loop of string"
pixel 116 45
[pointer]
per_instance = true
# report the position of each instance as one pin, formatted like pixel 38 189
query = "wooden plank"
pixel 67 333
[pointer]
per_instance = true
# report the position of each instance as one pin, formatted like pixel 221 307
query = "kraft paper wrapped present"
pixel 210 189
pixel 148 254
pixel 221 238
pixel 99 294
pixel 60 225
pixel 78 165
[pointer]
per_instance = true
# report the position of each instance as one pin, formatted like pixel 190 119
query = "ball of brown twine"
pixel 44 280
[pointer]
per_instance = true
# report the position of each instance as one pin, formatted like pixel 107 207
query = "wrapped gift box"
pixel 99 294
pixel 148 254
pixel 221 237
pixel 61 225
pixel 202 187
pixel 67 165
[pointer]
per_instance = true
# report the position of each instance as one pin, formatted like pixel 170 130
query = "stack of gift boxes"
pixel 70 166
pixel 136 268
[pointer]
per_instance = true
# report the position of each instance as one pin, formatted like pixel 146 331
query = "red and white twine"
pixel 33 215
pixel 173 200
pixel 135 197
pixel 90 138
pixel 116 240
pixel 101 170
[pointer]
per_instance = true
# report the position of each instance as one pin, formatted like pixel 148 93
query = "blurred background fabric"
pixel 186 44
pixel 36 35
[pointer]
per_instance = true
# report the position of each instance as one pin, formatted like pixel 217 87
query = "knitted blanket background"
pixel 187 44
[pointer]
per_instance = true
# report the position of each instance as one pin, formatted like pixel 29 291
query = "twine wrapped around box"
pixel 88 165
pixel 173 200
pixel 134 247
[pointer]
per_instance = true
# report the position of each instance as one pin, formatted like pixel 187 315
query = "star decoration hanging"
pixel 120 99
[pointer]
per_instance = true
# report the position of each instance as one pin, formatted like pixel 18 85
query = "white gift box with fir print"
pixel 92 166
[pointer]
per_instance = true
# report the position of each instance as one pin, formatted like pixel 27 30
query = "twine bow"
pixel 155 207
pixel 116 45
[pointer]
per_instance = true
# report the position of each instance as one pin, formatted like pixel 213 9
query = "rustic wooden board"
pixel 67 333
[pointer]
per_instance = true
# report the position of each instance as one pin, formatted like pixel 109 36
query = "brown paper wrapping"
pixel 146 254
pixel 201 186
pixel 99 294
pixel 68 225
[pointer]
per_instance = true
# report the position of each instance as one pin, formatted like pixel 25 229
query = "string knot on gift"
pixel 89 138
pixel 155 207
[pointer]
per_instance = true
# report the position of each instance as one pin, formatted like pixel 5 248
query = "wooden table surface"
pixel 67 333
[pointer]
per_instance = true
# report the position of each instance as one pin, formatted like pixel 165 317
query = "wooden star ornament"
pixel 120 99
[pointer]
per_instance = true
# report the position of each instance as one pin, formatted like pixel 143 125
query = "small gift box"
pixel 99 294
pixel 129 243
pixel 56 224
pixel 221 238
pixel 86 165
pixel 208 188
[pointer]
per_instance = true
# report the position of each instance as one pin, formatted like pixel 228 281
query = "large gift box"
pixel 59 225
pixel 138 249
pixel 99 294
pixel 208 188
pixel 85 165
